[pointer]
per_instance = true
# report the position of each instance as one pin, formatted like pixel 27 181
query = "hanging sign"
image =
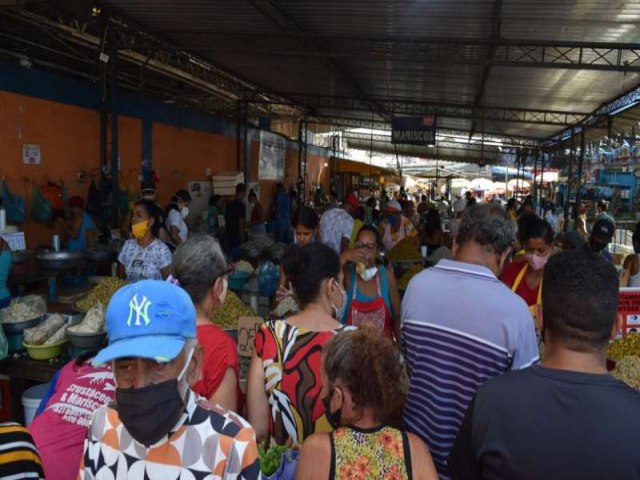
pixel 414 130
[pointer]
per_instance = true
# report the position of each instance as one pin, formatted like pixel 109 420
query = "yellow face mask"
pixel 140 229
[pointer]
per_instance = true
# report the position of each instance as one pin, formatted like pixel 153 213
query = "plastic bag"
pixel 268 278
pixel 13 204
pixel 287 468
pixel 94 200
pixel 4 345
pixel 40 206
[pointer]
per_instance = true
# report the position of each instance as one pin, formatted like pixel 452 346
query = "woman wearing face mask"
pixel 525 278
pixel 365 407
pixel 144 256
pixel 283 392
pixel 395 226
pixel 80 229
pixel 177 211
pixel 200 268
pixel 305 231
pixel 372 290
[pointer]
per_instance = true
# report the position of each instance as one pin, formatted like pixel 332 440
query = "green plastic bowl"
pixel 45 352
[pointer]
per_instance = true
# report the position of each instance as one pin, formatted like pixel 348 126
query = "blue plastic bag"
pixel 287 468
pixel 268 279
pixel 13 204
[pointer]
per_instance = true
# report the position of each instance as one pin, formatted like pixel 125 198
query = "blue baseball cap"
pixel 148 319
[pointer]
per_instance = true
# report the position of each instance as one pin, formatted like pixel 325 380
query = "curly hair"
pixel 371 367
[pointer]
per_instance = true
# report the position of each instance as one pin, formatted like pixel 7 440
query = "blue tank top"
pixel 79 243
pixel 384 289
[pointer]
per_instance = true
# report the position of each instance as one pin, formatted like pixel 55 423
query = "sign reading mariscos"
pixel 414 130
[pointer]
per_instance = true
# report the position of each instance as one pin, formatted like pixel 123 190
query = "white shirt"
pixel 144 263
pixel 174 219
pixel 335 224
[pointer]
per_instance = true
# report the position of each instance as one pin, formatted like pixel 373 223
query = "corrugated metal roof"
pixel 354 48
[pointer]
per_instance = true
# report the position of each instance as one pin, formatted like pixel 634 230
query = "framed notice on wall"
pixel 31 154
pixel 629 308
pixel 272 153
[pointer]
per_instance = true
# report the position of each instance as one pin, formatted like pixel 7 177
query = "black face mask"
pixel 334 418
pixel 149 413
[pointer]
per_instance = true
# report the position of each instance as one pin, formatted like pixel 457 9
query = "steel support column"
pixel 567 203
pixel 576 210
pixel 302 157
pixel 115 156
pixel 241 138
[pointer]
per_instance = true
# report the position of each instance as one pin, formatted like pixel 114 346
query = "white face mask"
pixel 369 273
pixel 184 211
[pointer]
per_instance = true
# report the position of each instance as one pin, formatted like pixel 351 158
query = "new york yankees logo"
pixel 141 310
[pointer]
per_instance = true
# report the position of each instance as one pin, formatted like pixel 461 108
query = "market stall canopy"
pixel 546 177
pixel 481 185
pixel 518 185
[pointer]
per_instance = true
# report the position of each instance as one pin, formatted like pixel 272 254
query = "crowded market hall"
pixel 312 240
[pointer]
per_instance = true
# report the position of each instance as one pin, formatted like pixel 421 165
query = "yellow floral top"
pixel 376 453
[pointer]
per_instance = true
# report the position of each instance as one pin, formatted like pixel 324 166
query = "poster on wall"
pixel 629 309
pixel 31 154
pixel 272 153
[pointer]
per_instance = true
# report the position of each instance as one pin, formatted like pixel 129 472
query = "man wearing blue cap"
pixel 158 428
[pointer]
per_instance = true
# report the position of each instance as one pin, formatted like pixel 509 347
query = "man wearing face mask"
pixel 176 212
pixel 158 427
pixel 600 237
pixel 462 326
pixel 395 226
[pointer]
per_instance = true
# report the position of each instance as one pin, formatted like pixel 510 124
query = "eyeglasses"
pixel 371 247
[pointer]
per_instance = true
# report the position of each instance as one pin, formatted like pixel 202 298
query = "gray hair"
pixel 488 226
pixel 197 264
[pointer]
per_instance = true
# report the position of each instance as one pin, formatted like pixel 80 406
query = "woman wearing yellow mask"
pixel 144 256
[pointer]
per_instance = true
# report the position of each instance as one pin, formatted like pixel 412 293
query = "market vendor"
pixel 395 226
pixel 176 212
pixel 200 268
pixel 525 278
pixel 372 290
pixel 144 256
pixel 81 229
pixel 5 266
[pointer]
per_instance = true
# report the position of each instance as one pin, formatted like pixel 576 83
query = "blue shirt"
pixel 283 207
pixel 79 243
pixel 461 326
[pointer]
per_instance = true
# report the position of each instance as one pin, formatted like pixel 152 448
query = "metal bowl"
pixel 20 256
pixel 60 260
pixel 87 341
pixel 99 254
pixel 19 327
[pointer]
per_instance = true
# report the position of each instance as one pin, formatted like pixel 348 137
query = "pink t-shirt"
pixel 60 430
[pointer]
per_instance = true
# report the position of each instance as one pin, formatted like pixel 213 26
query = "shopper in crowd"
pixel 372 214
pixel 459 207
pixel 423 206
pixel 19 458
pixel 283 391
pixel 282 214
pixel 443 207
pixel 512 210
pixel 600 237
pixel 200 268
pixel 144 256
pixel 214 212
pixel 581 222
pixel 80 228
pixel 336 227
pixel 553 218
pixel 630 275
pixel 158 427
pixel 409 212
pixel 567 418
pixel 460 327
pixel 176 212
pixel 60 428
pixel 571 241
pixel 358 222
pixel 432 235
pixel 234 216
pixel 471 200
pixel 5 267
pixel 365 407
pixel 395 226
pixel 525 277
pixel 257 214
pixel 372 289
pixel 305 231
pixel 601 211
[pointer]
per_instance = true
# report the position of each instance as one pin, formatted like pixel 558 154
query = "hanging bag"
pixel 13 204
pixel 40 206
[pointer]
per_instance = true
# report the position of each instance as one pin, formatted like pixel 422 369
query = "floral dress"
pixel 291 358
pixel 380 452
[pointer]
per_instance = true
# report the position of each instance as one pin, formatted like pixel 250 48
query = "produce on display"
pixel 628 345
pixel 244 266
pixel 24 309
pixel 226 316
pixel 403 281
pixel 285 308
pixel 39 335
pixel 101 293
pixel 59 336
pixel 404 251
pixel 628 370
pixel 93 321
pixel 270 459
